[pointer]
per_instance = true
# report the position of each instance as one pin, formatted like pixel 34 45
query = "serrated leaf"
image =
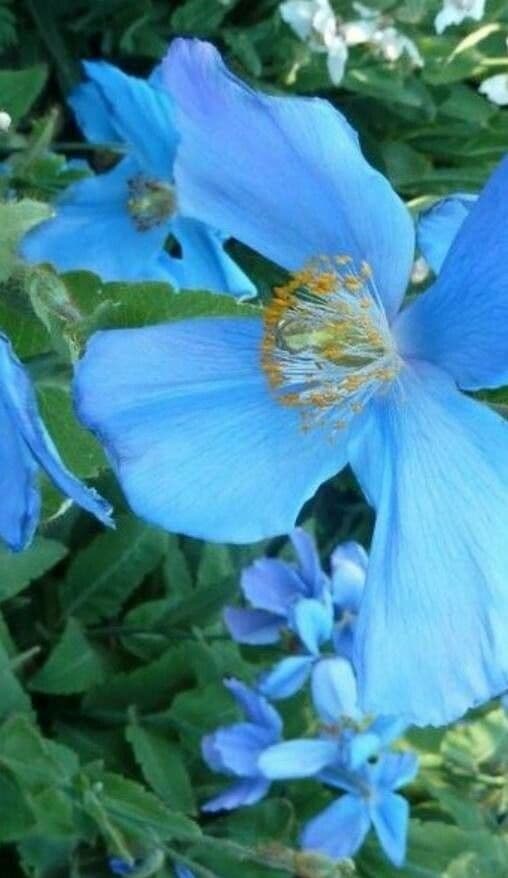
pixel 20 88
pixel 466 746
pixel 35 761
pixel 137 812
pixel 18 570
pixel 73 666
pixel 162 766
pixel 16 218
pixel 103 576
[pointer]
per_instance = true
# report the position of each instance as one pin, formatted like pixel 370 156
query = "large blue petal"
pixel 461 323
pixel 205 263
pixel 198 440
pixel 431 634
pixel 142 115
pixel 92 113
pixel 438 226
pixel 93 230
pixel 390 816
pixel 339 830
pixel 245 792
pixel 19 406
pixel 299 758
pixel 283 175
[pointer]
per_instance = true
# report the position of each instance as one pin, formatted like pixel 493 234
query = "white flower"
pixel 5 121
pixel 337 59
pixel 357 32
pixel 392 45
pixel 495 88
pixel 314 21
pixel 455 11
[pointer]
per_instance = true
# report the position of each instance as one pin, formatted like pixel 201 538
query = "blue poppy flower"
pixel 223 428
pixel 25 448
pixel 117 223
pixel 234 750
pixel 273 587
pixel 371 799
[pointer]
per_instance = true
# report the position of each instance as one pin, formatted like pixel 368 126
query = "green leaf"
pixel 16 218
pixel 12 695
pixel 27 334
pixel 18 570
pixel 81 452
pixel 162 765
pixel 135 811
pixel 73 666
pixel 467 746
pixel 36 762
pixel 103 576
pixel 16 818
pixel 20 89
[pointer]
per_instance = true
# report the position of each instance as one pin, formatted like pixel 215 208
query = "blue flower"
pixel 347 738
pixel 370 800
pixel 25 448
pixel 118 866
pixel 223 428
pixel 235 749
pixel 349 571
pixel 182 871
pixel 273 587
pixel 117 223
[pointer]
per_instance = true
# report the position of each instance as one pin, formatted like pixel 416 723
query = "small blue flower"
pixel 25 449
pixel 118 866
pixel 347 738
pixel 273 587
pixel 117 223
pixel 234 750
pixel 370 800
pixel 223 428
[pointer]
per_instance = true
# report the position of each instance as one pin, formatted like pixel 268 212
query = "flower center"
pixel 150 202
pixel 327 345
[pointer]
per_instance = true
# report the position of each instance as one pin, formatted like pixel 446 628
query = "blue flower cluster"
pixel 350 752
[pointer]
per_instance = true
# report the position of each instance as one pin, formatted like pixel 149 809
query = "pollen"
pixel 327 347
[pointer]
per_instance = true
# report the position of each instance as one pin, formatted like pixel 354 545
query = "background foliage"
pixel 112 649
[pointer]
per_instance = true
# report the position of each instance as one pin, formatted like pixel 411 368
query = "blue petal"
pixel 142 115
pixel 182 871
pixel 431 634
pixel 312 621
pixel 198 440
pixel 460 323
pixel 349 568
pixel 388 729
pixel 299 758
pixel 339 830
pixel 283 175
pixel 334 692
pixel 394 770
pixel 361 747
pixel 255 707
pixel 92 113
pixel 272 585
pixel 211 753
pixel 93 230
pixel 245 792
pixel 390 817
pixel 437 227
pixel 287 677
pixel 20 507
pixel 205 264
pixel 253 627
pixel 25 444
pixel 310 564
pixel 237 747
